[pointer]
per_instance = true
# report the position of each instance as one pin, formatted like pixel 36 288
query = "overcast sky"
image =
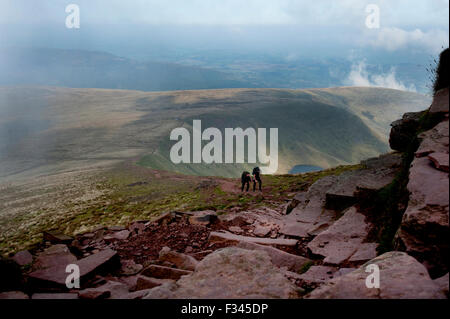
pixel 397 13
pixel 421 23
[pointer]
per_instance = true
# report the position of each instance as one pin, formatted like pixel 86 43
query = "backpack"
pixel 245 177
pixel 256 171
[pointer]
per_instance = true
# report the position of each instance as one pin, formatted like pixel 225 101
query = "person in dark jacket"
pixel 257 178
pixel 246 178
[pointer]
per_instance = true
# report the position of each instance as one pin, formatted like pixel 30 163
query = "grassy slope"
pixel 128 193
pixel 323 127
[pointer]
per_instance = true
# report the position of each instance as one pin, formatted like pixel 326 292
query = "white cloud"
pixel 393 39
pixel 359 76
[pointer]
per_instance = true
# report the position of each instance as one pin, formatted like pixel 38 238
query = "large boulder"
pixel 403 131
pixel 279 258
pixel 401 277
pixel 230 273
pixel 378 173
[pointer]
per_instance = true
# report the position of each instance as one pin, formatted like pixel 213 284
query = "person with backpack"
pixel 257 178
pixel 246 178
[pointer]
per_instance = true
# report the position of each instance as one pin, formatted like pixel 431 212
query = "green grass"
pixel 123 204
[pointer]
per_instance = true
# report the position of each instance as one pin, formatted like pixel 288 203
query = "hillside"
pixel 142 233
pixel 44 129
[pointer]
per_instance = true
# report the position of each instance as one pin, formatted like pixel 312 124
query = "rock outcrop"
pixel 344 239
pixel 424 228
pixel 401 277
pixel 230 273
pixel 321 205
pixel 403 131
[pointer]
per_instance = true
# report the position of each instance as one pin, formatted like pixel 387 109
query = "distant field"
pixel 48 129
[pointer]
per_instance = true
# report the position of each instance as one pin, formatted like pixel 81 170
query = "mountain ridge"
pixel 66 124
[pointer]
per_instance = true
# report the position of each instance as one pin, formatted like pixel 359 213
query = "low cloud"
pixel 392 39
pixel 359 76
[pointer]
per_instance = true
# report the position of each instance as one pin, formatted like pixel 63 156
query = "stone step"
pixel 221 236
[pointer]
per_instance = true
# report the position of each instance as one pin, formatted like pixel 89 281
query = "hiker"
pixel 245 179
pixel 257 178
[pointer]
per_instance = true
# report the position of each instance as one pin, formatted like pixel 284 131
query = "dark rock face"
pixel 403 131
pixel 442 77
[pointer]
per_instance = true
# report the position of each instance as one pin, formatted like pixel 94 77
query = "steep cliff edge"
pixel 423 232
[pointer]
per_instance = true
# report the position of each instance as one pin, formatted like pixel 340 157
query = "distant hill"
pixel 90 69
pixel 46 128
